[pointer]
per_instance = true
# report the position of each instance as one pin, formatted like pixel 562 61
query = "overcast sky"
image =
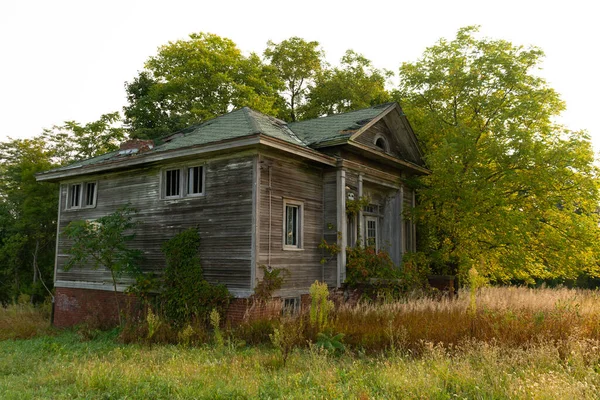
pixel 68 60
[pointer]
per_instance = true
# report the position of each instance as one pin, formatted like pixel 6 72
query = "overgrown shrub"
pixel 272 280
pixel 186 295
pixel 320 305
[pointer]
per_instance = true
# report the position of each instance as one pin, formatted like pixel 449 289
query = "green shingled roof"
pixel 334 127
pixel 238 123
pixel 247 122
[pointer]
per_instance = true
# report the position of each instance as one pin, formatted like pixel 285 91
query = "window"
pixel 371 233
pixel 292 225
pixel 183 182
pixel 75 196
pixel 382 143
pixel 90 194
pixel 194 180
pixel 290 306
pixel 172 183
pixel 82 195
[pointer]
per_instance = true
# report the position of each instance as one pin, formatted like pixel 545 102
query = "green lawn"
pixel 66 367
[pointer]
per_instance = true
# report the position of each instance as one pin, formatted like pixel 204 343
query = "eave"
pixel 236 144
pixel 379 155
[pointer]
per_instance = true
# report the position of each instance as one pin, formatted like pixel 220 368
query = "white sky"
pixel 68 60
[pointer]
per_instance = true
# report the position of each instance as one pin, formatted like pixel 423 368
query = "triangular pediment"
pixel 391 134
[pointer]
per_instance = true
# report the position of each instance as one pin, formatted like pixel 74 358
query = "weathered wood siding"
pixel 329 224
pixel 400 144
pixel 285 178
pixel 223 217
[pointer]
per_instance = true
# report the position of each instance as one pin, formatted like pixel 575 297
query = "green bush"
pixel 186 296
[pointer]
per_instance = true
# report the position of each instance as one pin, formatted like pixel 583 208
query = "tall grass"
pixel 508 316
pixel 518 343
pixel 24 321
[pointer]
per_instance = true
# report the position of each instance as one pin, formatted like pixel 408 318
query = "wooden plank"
pixel 223 218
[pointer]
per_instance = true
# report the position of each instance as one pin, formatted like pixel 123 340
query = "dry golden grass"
pixel 23 321
pixel 509 316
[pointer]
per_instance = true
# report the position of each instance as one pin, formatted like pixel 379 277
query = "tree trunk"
pixel 35 267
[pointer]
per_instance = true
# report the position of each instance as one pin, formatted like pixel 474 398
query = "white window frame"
pixel 163 185
pixel 183 173
pixel 82 192
pixel 299 228
pixel 370 218
pixel 203 180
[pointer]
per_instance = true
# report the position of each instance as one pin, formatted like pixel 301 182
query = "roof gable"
pixel 337 127
pixel 393 126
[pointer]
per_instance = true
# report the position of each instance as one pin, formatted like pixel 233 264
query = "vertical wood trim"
pixel 323 222
pixel 402 229
pixel 270 216
pixel 359 223
pixel 60 186
pixel 341 225
pixel 255 219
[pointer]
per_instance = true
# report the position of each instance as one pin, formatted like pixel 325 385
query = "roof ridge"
pixel 250 118
pixel 382 106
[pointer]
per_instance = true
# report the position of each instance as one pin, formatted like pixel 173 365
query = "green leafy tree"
pixel 298 63
pixel 186 296
pixel 190 81
pixel 28 211
pixel 74 141
pixel 104 243
pixel 510 192
pixel 354 85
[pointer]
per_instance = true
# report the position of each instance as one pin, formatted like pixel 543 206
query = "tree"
pixel 73 141
pixel 103 243
pixel 28 212
pixel 298 62
pixel 510 191
pixel 354 85
pixel 190 81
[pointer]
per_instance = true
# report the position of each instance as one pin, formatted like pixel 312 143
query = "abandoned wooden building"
pixel 259 191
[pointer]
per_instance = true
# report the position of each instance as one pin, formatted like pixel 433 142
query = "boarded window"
pixel 172 183
pixel 195 180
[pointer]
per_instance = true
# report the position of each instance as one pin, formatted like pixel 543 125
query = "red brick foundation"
pixel 95 307
pixel 98 308
pixel 245 310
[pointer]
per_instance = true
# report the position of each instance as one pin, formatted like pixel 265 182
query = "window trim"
pixel 375 219
pixel 186 174
pixel 294 308
pixel 300 233
pixel 83 185
pixel 183 172
pixel 163 183
pixel 386 144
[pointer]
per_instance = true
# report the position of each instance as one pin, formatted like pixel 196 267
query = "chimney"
pixel 135 146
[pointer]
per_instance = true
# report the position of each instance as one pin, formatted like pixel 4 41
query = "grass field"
pixel 469 362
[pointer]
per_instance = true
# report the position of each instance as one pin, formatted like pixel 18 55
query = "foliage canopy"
pixel 510 191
